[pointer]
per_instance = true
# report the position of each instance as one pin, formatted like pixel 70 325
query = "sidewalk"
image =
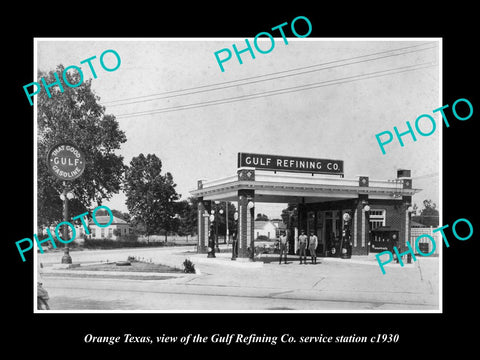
pixel 224 258
pixel 346 282
pixel 175 256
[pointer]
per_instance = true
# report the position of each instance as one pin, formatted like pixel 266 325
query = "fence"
pixel 425 244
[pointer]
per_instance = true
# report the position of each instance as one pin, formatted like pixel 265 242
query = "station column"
pixel 203 212
pixel 246 215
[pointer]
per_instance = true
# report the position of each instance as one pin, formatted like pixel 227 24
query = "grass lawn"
pixel 135 266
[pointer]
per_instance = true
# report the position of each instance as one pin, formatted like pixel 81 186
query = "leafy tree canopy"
pixel 261 217
pixel 75 116
pixel 150 195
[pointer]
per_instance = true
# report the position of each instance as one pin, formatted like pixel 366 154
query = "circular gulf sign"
pixel 66 161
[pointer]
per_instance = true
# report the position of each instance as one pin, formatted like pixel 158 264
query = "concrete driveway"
pixel 332 284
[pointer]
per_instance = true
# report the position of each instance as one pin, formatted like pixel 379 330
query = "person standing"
pixel 42 297
pixel 302 242
pixel 312 246
pixel 42 294
pixel 283 247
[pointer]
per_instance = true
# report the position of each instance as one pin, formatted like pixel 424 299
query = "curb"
pixel 226 261
pixel 99 273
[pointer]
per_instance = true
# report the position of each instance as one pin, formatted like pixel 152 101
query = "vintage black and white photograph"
pixel 274 174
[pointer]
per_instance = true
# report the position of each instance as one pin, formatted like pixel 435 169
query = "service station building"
pixel 349 216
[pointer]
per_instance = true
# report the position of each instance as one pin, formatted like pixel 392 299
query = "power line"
pixel 257 81
pixel 280 91
pixel 166 94
pixel 425 176
pixel 268 93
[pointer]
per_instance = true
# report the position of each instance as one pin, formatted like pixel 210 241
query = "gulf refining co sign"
pixel 66 161
pixel 290 163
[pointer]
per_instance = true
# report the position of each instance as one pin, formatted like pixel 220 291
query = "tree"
pixel 289 213
pixel 222 225
pixel 115 212
pixel 429 208
pixel 150 195
pixel 261 217
pixel 429 215
pixel 187 211
pixel 75 116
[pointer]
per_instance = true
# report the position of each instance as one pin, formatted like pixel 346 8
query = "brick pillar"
pixel 246 218
pixel 359 228
pixel 203 212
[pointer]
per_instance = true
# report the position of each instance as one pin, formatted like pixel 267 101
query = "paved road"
pixel 330 285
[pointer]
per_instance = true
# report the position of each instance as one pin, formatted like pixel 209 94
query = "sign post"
pixel 66 162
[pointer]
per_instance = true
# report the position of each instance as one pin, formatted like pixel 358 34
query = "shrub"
pixel 188 266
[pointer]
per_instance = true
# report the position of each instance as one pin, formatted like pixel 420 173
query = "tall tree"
pixel 75 116
pixel 187 211
pixel 150 195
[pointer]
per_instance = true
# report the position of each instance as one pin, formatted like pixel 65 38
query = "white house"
pixel 269 228
pixel 116 229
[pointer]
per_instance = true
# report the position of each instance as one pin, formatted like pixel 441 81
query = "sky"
pixel 337 118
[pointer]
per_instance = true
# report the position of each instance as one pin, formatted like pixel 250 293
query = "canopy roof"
pixel 285 187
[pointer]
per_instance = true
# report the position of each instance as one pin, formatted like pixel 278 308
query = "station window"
pixel 377 218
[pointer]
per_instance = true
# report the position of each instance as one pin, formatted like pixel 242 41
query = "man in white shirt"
pixel 312 246
pixel 283 246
